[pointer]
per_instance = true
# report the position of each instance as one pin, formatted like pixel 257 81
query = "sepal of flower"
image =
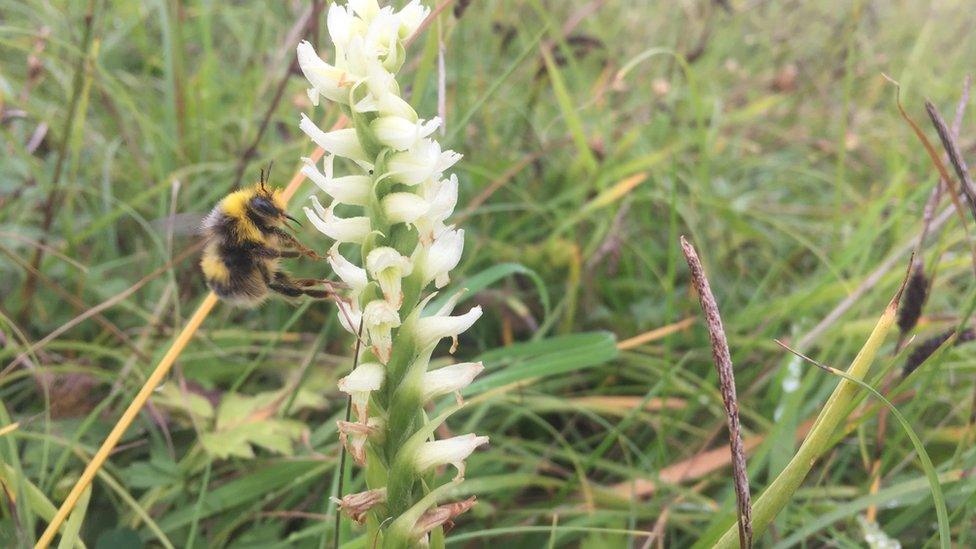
pixel 450 379
pixel 365 379
pixel 388 267
pixel 358 504
pixel 422 162
pixel 350 189
pixel 344 142
pixel 379 319
pixel 348 229
pixel 451 451
pixel 401 133
pixel 354 437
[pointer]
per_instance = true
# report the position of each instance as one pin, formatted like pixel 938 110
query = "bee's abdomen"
pixel 235 274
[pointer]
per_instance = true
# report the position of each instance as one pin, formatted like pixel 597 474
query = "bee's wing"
pixel 181 224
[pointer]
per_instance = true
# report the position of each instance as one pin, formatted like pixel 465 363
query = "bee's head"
pixel 268 204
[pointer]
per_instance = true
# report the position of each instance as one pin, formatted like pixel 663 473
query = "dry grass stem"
pixel 723 364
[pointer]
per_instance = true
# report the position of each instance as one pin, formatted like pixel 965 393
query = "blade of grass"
pixel 72 528
pixel 923 456
pixel 778 494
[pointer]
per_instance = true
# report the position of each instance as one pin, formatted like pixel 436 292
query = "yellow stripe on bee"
pixel 214 268
pixel 234 205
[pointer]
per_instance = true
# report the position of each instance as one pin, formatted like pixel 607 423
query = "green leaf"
pixel 554 356
pixel 158 471
pixel 172 397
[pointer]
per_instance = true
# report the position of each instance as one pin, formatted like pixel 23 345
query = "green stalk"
pixel 834 412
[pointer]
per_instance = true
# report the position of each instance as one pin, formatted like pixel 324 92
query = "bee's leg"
pixel 307 282
pixel 295 291
pixel 286 290
pixel 289 240
pixel 285 285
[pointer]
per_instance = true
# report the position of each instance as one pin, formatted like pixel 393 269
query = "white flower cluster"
pixel 403 199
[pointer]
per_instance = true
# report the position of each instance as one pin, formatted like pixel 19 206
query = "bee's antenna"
pixel 270 164
pixel 261 179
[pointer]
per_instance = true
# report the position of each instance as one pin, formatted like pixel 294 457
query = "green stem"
pixel 778 494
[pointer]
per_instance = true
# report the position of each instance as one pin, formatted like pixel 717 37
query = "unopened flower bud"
pixel 404 207
pixel 400 133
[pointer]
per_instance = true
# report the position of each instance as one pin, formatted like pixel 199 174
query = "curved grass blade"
pixel 923 456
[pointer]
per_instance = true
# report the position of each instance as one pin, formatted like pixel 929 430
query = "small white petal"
pixel 421 162
pixel 367 9
pixel 442 256
pixel 404 207
pixel 332 82
pixel 380 82
pixel 379 318
pixel 313 96
pixel 350 316
pixel 349 229
pixel 391 104
pixel 400 133
pixel 351 189
pixel 448 451
pixel 388 267
pixel 431 329
pixel 341 24
pixel 341 142
pixel 447 159
pixel 442 197
pixel 353 276
pixel 411 16
pixel 450 378
pixel 366 377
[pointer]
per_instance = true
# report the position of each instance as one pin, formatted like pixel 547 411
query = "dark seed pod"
pixel 912 301
pixel 926 348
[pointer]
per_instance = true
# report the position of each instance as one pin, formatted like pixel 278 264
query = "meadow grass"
pixel 594 135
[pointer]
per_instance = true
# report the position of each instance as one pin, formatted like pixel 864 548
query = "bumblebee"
pixel 246 239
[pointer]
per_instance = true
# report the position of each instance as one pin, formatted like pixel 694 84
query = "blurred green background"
pixel 594 134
